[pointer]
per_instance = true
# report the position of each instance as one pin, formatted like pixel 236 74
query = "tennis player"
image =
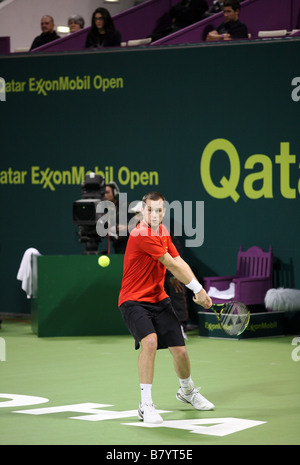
pixel 147 309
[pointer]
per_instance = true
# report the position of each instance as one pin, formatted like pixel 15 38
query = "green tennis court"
pixel 89 391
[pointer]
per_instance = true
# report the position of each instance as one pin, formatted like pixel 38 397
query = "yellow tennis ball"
pixel 103 261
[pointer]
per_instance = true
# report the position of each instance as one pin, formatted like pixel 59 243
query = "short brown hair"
pixel 234 4
pixel 153 196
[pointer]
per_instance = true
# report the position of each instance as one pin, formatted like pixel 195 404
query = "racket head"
pixel 234 317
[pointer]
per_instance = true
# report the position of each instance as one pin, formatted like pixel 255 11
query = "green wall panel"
pixel 213 123
pixel 77 297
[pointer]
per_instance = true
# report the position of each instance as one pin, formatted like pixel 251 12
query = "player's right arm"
pixel 182 271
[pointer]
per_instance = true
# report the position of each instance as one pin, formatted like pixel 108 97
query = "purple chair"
pixel 253 278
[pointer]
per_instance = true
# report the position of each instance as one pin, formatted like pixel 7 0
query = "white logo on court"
pixel 98 412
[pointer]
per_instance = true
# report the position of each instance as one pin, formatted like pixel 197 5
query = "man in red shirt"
pixel 147 309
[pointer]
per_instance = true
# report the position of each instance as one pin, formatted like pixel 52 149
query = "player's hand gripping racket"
pixel 233 317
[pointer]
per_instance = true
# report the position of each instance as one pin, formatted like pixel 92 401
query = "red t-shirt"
pixel 143 274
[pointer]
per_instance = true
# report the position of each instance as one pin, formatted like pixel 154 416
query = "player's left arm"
pixel 178 267
pixel 182 271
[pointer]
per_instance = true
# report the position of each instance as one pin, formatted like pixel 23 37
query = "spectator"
pixel 75 23
pixel 231 28
pixel 103 32
pixel 187 12
pixel 183 14
pixel 216 7
pixel 48 32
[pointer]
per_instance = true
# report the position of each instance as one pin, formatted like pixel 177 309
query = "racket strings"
pixel 234 319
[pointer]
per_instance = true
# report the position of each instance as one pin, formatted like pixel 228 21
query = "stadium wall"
pixel 216 124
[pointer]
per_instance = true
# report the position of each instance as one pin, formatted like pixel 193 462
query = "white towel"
pixel 25 271
pixel 227 294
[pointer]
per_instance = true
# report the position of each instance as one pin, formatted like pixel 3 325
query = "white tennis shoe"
pixel 195 399
pixel 148 414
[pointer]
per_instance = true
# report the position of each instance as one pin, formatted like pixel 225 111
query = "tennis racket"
pixel 233 317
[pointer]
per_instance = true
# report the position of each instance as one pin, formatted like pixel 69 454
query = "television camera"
pixel 85 214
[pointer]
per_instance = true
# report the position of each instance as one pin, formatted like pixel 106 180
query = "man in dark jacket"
pixel 188 12
pixel 181 15
pixel 231 28
pixel 48 33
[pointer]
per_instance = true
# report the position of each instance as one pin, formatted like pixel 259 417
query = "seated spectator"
pixel 75 23
pixel 181 15
pixel 216 7
pixel 187 12
pixel 231 28
pixel 103 32
pixel 48 32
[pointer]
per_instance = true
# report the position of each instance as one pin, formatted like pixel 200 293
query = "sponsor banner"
pixel 265 324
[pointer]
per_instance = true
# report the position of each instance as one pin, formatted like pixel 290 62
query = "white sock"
pixel 186 385
pixel 146 393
